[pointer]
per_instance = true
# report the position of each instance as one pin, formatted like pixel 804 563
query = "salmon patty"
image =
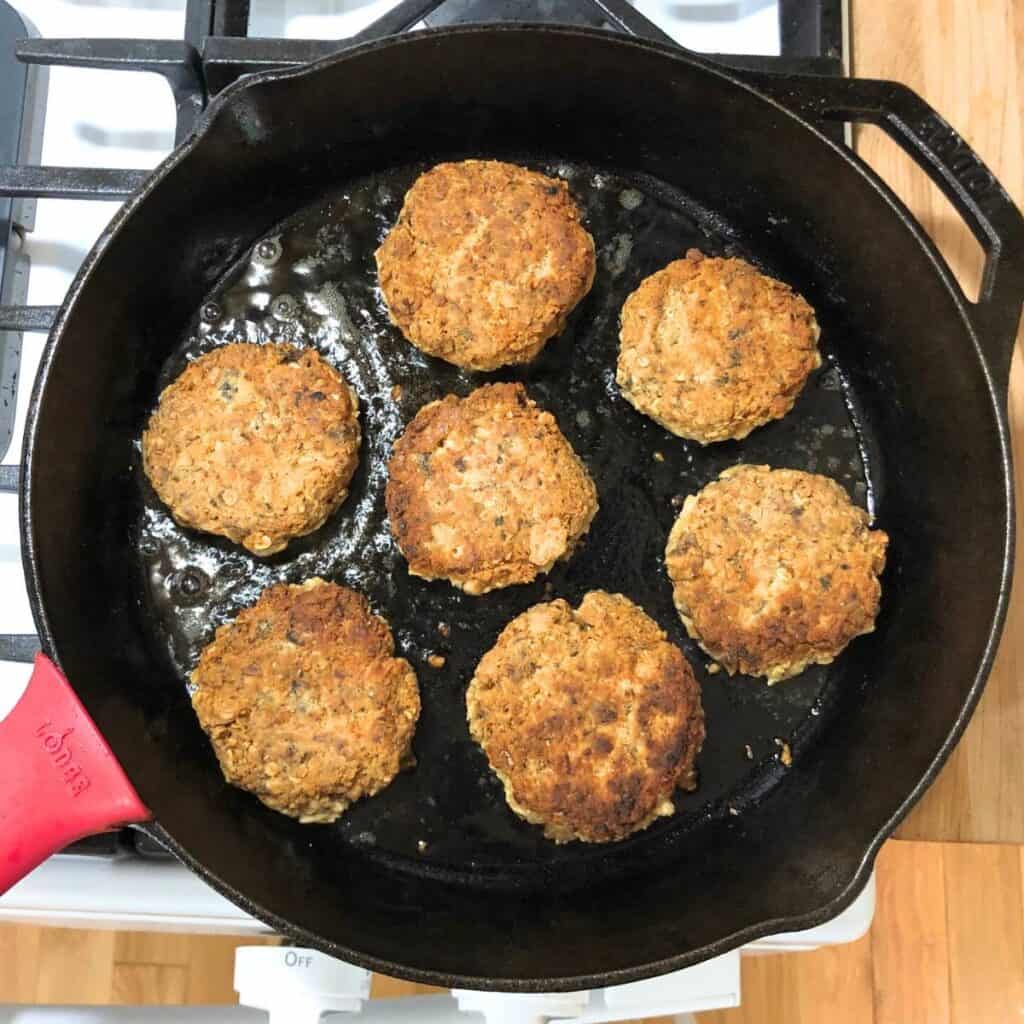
pixel 485 263
pixel 711 348
pixel 774 569
pixel 304 701
pixel 485 491
pixel 256 443
pixel 590 718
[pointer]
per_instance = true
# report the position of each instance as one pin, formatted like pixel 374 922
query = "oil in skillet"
pixel 313 282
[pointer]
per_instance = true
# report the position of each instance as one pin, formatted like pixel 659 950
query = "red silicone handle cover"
pixel 59 781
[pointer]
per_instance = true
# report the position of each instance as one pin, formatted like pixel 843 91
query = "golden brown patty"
pixel 485 263
pixel 485 491
pixel 712 349
pixel 589 717
pixel 256 443
pixel 304 702
pixel 774 570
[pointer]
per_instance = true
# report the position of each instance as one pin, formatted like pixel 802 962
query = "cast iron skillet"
pixel 909 413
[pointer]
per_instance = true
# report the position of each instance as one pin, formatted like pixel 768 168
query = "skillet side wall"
pixel 940 489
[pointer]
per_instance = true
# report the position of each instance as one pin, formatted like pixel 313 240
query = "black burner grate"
pixel 22 97
pixel 215 51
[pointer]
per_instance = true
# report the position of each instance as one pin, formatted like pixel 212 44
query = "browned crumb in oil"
pixel 436 660
pixel 785 753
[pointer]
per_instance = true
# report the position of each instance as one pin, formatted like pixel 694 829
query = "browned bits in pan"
pixel 785 753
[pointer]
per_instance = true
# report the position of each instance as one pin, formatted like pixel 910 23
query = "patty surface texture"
pixel 774 569
pixel 256 443
pixel 711 348
pixel 485 263
pixel 485 491
pixel 590 717
pixel 304 701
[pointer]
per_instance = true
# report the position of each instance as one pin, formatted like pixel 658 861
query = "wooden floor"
pixel 947 947
pixel 70 965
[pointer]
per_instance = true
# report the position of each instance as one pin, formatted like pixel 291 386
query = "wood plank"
pixel 967 60
pixel 19 962
pixel 804 988
pixel 383 986
pixel 211 967
pixel 153 948
pixel 149 985
pixel 64 965
pixel 839 978
pixel 769 988
pixel 910 952
pixel 74 966
pixel 985 927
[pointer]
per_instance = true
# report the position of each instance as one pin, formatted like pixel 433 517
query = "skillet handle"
pixel 59 781
pixel 958 171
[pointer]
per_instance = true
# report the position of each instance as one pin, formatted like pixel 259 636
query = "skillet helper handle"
pixel 59 781
pixel 955 168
